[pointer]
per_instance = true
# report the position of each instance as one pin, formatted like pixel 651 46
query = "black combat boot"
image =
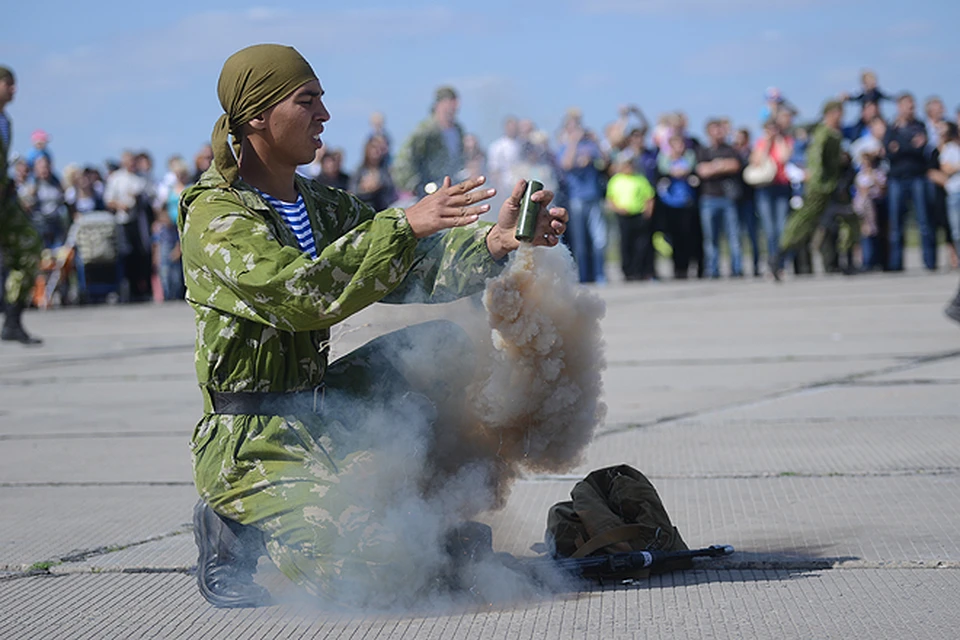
pixel 953 309
pixel 12 329
pixel 228 553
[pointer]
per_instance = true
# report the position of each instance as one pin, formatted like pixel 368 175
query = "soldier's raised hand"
pixel 452 205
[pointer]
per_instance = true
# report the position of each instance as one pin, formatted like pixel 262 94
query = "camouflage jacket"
pixel 424 158
pixel 823 160
pixel 264 308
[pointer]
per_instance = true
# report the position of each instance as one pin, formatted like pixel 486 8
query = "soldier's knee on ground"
pixel 342 555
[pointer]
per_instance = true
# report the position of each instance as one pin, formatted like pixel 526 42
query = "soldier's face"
pixel 832 118
pixel 292 128
pixel 447 109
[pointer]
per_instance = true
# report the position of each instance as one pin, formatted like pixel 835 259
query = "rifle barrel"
pixel 630 560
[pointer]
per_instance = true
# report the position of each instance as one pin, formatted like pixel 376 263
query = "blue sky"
pixel 104 76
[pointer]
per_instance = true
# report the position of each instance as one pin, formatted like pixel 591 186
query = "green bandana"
pixel 253 80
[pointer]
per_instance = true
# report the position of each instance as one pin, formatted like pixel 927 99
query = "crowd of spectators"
pixel 712 206
pixel 145 263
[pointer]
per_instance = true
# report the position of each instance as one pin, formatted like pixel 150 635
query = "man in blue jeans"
pixel 719 166
pixel 578 158
pixel 905 145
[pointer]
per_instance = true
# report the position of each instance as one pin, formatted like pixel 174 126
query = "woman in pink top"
pixel 773 200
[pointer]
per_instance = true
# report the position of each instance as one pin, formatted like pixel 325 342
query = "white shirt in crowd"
pixel 309 171
pixel 864 144
pixel 163 188
pixel 502 155
pixel 123 188
pixel 951 156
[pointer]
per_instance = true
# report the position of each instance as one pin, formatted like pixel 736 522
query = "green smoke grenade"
pixel 529 210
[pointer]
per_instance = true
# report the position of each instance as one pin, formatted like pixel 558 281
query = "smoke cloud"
pixel 489 401
pixel 542 393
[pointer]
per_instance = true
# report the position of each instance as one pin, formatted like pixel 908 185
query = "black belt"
pixel 239 403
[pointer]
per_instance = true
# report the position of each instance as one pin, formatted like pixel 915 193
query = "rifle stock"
pixel 613 564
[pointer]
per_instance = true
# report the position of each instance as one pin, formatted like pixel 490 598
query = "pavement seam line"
pixel 793 421
pixel 892 473
pixel 904 383
pixel 121 354
pixel 81 555
pixel 118 483
pixel 731 565
pixel 787 359
pixel 93 435
pixel 842 381
pixel 31 382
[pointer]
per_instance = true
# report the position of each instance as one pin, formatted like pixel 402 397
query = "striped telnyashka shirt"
pixel 295 215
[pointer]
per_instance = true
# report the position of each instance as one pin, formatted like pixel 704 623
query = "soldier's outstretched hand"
pixel 551 223
pixel 452 205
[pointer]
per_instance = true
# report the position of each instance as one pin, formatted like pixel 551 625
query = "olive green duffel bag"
pixel 614 510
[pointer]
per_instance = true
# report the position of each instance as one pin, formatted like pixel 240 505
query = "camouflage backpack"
pixel 614 510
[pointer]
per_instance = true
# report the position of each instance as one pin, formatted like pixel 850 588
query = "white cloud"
pixel 771 35
pixel 196 45
pixel 745 55
pixel 485 82
pixel 143 78
pixel 911 29
pixel 917 54
pixel 485 98
pixel 595 79
pixel 843 77
pixel 689 7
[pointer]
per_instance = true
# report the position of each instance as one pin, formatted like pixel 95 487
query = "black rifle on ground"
pixel 472 542
pixel 620 564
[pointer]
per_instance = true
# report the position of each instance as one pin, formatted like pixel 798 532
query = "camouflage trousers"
pixel 20 246
pixel 301 479
pixel 818 212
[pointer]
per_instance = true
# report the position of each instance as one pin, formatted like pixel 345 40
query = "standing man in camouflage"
pixel 433 150
pixel 20 243
pixel 824 170
pixel 272 262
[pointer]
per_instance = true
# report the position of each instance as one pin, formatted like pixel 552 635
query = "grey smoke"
pixel 532 404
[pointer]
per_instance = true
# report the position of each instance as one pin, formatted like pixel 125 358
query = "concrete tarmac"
pixel 814 425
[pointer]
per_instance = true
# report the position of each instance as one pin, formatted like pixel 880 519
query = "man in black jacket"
pixel 719 167
pixel 905 144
